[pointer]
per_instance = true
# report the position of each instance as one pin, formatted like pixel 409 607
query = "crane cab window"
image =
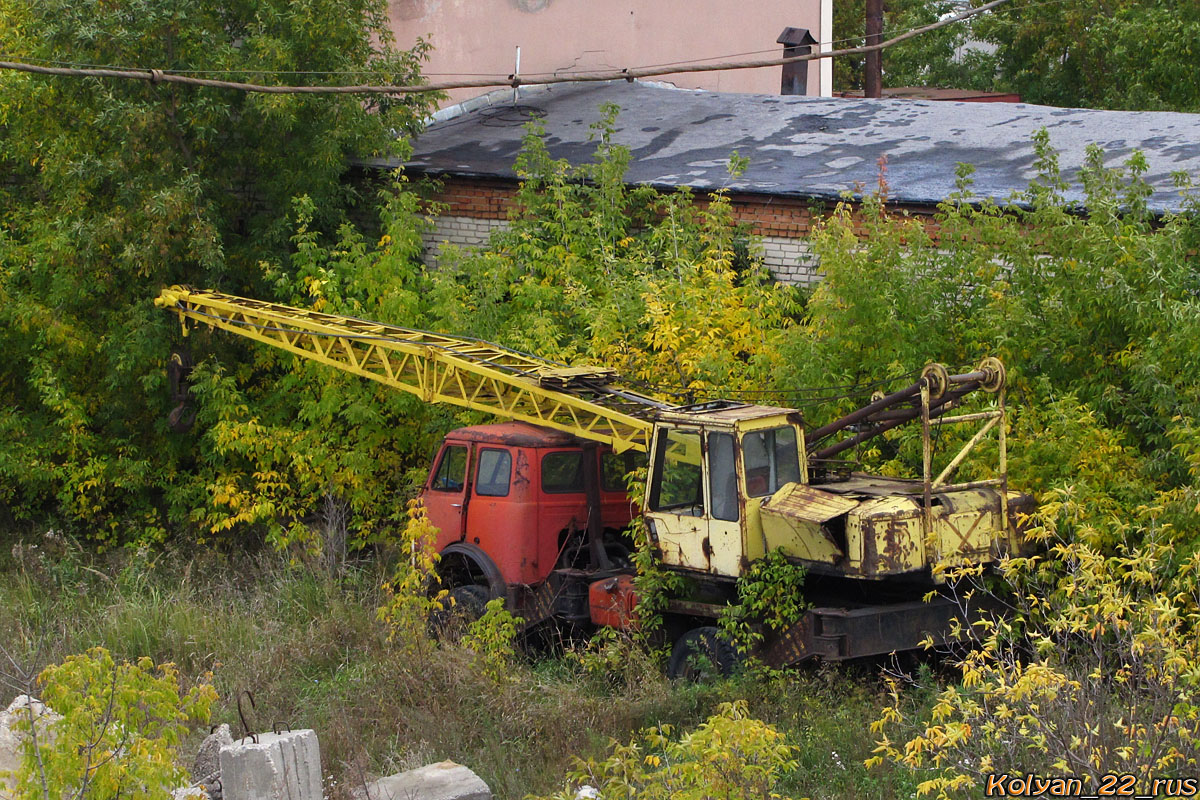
pixel 771 459
pixel 722 477
pixel 451 470
pixel 562 472
pixel 678 476
pixel 495 471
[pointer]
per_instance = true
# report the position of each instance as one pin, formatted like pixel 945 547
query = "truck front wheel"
pixel 702 654
pixel 462 606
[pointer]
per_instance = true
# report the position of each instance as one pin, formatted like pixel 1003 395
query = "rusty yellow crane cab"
pixel 728 482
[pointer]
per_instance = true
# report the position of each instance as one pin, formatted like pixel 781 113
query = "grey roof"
pixel 808 147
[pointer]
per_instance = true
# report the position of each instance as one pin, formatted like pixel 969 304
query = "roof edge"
pixel 504 95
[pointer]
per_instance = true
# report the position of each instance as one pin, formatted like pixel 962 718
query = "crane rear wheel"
pixel 702 654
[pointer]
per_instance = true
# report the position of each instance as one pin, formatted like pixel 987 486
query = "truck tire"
pixel 462 606
pixel 702 654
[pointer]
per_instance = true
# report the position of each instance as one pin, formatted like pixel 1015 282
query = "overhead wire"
pixel 158 76
pixel 27 63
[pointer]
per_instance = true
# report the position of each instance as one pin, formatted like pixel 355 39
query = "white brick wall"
pixel 789 260
pixel 460 231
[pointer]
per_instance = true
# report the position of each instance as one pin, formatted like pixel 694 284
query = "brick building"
pixel 804 153
pixel 474 38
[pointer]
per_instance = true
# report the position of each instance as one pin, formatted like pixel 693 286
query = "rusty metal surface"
pixel 563 595
pixel 968 500
pixel 872 485
pixel 938 407
pixel 807 503
pixel 837 634
pixel 843 422
pixel 516 434
pixel 892 539
pixel 695 609
pixel 703 412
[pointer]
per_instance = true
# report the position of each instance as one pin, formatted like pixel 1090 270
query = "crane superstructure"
pixel 728 482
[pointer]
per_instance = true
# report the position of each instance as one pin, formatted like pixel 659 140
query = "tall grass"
pixel 311 651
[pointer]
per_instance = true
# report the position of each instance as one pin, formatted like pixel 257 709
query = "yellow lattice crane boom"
pixel 442 369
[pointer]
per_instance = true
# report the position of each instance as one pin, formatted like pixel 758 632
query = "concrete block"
pixel 279 766
pixel 443 781
pixel 207 761
pixel 16 721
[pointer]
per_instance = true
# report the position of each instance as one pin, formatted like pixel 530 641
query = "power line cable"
pixel 159 76
pixel 502 77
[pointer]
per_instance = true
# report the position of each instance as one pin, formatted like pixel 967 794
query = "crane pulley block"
pixel 567 378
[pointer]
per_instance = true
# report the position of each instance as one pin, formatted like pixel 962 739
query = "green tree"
pixel 1121 54
pixel 1127 54
pixel 1092 306
pixel 730 755
pixel 942 57
pixel 115 188
pixel 117 733
pixel 1092 671
pixel 593 270
pixel 590 270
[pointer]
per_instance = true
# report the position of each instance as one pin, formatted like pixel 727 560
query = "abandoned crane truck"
pixel 534 510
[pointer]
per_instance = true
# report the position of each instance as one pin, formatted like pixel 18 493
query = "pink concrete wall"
pixel 561 36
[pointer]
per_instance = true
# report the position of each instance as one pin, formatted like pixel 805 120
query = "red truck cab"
pixel 511 506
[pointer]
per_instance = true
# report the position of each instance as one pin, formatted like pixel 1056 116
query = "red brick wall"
pixel 476 197
pixel 767 215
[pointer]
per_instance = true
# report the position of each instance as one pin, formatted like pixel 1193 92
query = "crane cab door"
pixel 693 500
pixel 447 490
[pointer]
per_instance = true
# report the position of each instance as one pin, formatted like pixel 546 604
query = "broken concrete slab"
pixel 189 793
pixel 207 761
pixel 279 766
pixel 14 728
pixel 442 781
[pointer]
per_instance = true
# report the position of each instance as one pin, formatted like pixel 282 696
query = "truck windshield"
pixel 771 459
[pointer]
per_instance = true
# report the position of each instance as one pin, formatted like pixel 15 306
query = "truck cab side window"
pixel 678 476
pixel 451 470
pixel 562 472
pixel 615 466
pixel 495 470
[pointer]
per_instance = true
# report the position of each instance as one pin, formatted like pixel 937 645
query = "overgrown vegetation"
pixel 591 271
pixel 127 187
pixel 311 651
pixel 112 189
pixel 730 755
pixel 770 598
pixel 110 730
pixel 1093 313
